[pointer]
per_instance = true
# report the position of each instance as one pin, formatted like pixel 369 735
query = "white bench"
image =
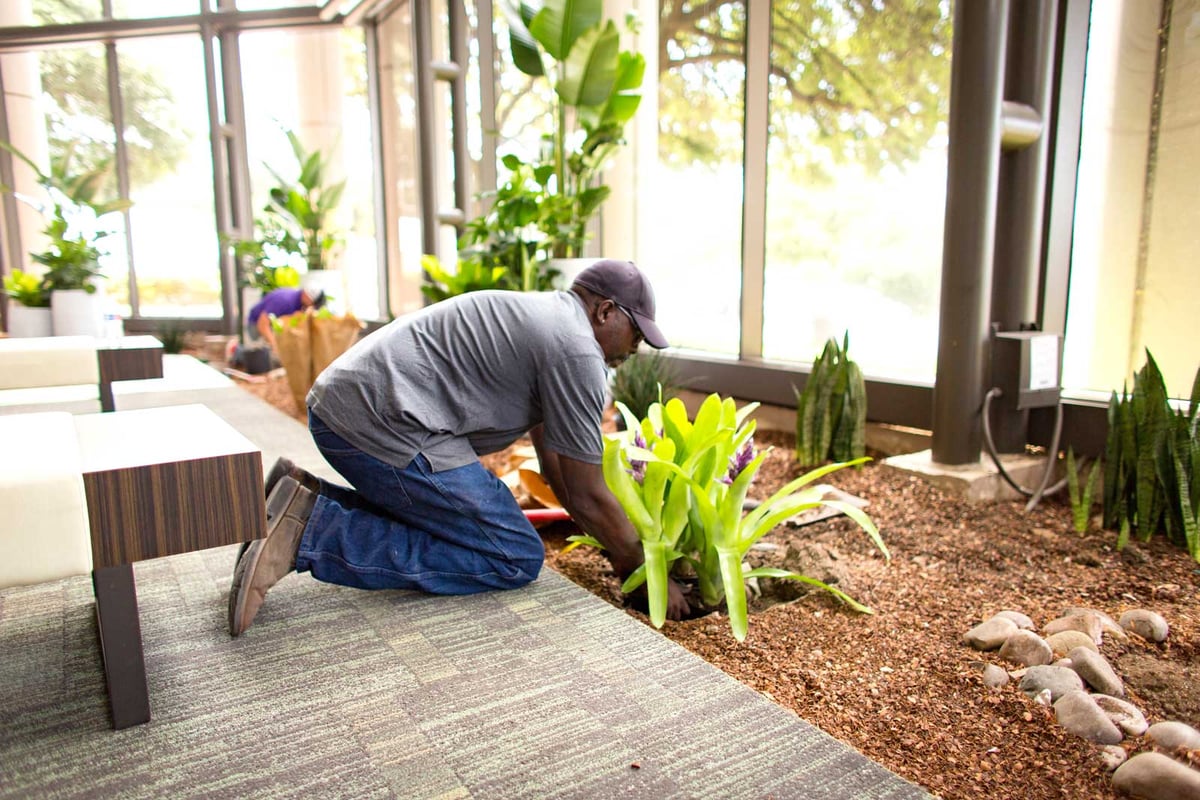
pixel 35 362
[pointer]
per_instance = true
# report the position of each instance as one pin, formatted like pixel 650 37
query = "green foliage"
pixel 643 379
pixel 851 82
pixel 511 234
pixel 683 484
pixel 831 412
pixel 27 289
pixel 172 337
pixel 294 227
pixel 72 212
pixel 597 90
pixel 1152 462
pixel 1081 501
pixel 471 276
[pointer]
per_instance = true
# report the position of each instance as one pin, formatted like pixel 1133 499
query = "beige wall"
pixel 1134 288
pixel 1170 299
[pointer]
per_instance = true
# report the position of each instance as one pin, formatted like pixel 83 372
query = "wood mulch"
pixel 898 685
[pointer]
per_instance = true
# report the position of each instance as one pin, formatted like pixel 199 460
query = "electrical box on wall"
pixel 1027 368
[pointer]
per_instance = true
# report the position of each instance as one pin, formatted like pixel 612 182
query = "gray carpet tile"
pixel 542 692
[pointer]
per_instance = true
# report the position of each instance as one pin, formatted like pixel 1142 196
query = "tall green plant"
pixel 683 484
pixel 831 411
pixel 1152 462
pixel 72 212
pixel 597 89
pixel 1082 496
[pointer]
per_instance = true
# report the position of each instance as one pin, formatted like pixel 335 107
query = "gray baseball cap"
pixel 624 284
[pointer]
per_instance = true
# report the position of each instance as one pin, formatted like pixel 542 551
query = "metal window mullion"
pixel 12 227
pixel 458 109
pixel 487 94
pixel 222 199
pixel 117 110
pixel 383 230
pixel 754 176
pixel 426 140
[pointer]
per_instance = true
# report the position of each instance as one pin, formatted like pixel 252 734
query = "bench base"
pixel 121 645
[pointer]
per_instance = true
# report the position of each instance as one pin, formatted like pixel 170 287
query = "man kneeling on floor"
pixel 403 416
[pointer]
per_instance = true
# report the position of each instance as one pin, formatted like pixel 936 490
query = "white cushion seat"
pixel 44 530
pixel 27 363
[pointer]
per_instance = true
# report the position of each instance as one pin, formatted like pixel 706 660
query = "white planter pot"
pixel 76 313
pixel 26 321
pixel 568 268
pixel 332 283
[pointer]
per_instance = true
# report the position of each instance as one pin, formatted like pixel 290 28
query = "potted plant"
pixel 29 309
pixel 597 91
pixel 73 232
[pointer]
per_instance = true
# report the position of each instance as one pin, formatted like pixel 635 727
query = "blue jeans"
pixel 458 531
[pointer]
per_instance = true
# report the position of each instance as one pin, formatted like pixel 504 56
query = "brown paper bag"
pixel 331 336
pixel 293 343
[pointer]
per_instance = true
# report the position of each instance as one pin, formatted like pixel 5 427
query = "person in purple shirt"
pixel 280 303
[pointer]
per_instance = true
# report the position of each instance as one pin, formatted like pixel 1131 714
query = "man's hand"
pixel 677 604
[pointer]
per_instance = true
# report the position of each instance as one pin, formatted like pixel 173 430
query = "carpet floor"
pixel 542 692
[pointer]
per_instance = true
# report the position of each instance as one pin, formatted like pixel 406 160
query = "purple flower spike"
pixel 739 461
pixel 638 468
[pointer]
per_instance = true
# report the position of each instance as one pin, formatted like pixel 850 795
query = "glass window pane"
pixel 690 197
pixel 69 136
pixel 152 9
pixel 55 12
pixel 1134 285
pixel 175 251
pixel 313 83
pixel 859 100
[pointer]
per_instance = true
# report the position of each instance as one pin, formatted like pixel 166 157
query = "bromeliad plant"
pixel 683 484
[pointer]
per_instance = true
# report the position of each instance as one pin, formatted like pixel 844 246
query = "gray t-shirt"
pixel 468 376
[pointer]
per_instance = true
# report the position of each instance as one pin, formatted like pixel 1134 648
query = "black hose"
pixel 1052 455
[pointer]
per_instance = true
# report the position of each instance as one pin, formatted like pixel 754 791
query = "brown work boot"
pixel 268 560
pixel 285 466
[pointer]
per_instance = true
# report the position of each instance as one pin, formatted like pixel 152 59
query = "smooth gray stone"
pixel 1082 621
pixel 1170 735
pixel 995 676
pixel 1124 715
pixel 1112 755
pixel 1096 671
pixel 1023 622
pixel 1081 715
pixel 1107 623
pixel 1027 649
pixel 1064 642
pixel 1059 680
pixel 1147 624
pixel 1154 776
pixel 990 634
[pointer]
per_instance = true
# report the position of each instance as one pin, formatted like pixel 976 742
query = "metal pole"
pixel 976 93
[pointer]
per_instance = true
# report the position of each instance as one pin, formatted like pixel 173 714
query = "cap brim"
pixel 650 332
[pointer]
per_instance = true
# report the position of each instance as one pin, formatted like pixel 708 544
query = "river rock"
pixel 1124 715
pixel 1096 671
pixel 1082 621
pixel 1112 756
pixel 1173 735
pixel 1026 648
pixel 1059 680
pixel 1157 777
pixel 995 676
pixel 990 634
pixel 1023 622
pixel 1108 625
pixel 1081 715
pixel 1064 642
pixel 1146 624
